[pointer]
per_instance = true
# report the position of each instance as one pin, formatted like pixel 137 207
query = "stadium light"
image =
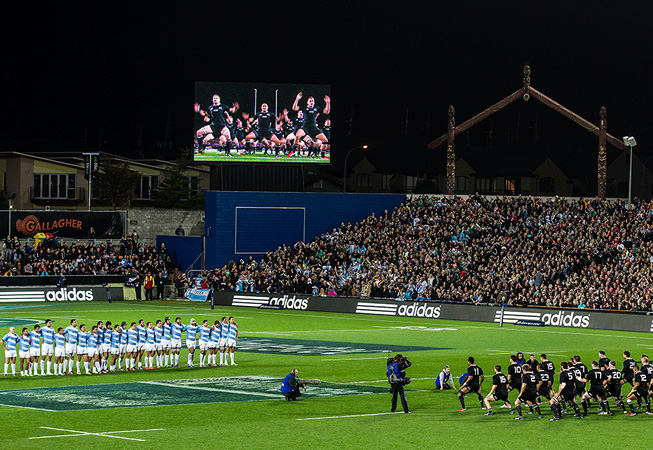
pixel 630 142
pixel 344 176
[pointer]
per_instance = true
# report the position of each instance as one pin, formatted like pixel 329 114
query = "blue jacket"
pixel 394 367
pixel 289 383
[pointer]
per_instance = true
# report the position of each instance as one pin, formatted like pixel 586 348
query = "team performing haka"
pixel 304 133
pixel 106 348
pixel 533 382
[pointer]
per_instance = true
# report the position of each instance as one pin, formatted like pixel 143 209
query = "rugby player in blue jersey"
pixel 9 342
pixel 132 346
pixel 71 332
pixel 92 362
pixel 158 343
pixel 122 350
pixel 47 349
pixel 59 352
pixel 35 350
pixel 150 350
pixel 232 338
pixel 167 340
pixel 82 345
pixel 205 334
pixel 23 352
pixel 214 343
pixel 115 347
pixel 175 340
pixel 191 335
pixel 224 333
pixel 141 342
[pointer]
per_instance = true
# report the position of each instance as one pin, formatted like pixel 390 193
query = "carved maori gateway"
pixel 526 92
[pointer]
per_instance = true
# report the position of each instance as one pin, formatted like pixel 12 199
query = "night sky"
pixel 70 71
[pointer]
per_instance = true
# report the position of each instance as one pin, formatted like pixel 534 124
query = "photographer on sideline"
pixel 397 378
pixel 290 386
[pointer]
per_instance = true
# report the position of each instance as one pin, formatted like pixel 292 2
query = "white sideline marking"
pixel 549 331
pixel 199 388
pixel 352 359
pixel 351 415
pixel 28 407
pixel 108 434
pixel 385 380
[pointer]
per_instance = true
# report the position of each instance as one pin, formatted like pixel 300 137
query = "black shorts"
pixel 528 396
pixel 615 391
pixel 514 387
pixel 580 387
pixel 568 395
pixel 544 390
pixel 642 393
pixel 312 132
pixel 598 392
pixel 627 379
pixel 501 395
pixel 262 134
pixel 216 129
pixel 474 387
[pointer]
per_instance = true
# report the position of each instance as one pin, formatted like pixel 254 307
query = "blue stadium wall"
pixel 240 224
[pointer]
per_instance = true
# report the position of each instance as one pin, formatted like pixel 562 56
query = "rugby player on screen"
pixel 310 130
pixel 215 115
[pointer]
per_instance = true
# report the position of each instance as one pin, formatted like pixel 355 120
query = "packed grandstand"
pixel 585 253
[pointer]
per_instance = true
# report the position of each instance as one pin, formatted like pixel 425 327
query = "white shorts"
pixel 122 348
pixel 175 343
pixel 149 347
pixel 23 355
pixel 47 349
pixel 158 347
pixel 106 348
pixel 34 351
pixel 10 353
pixel 204 346
pixel 131 348
pixel 222 342
pixel 165 345
pixel 59 352
pixel 71 349
pixel 190 344
pixel 81 350
pixel 141 346
pixel 231 342
pixel 91 351
pixel 213 344
pixel 114 350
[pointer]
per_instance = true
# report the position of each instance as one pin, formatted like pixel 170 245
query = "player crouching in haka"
pixel 566 392
pixel 597 379
pixel 472 384
pixel 640 391
pixel 528 392
pixel 499 391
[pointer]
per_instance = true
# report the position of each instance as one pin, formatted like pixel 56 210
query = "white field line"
pixel 384 381
pixel 198 388
pixel 550 331
pixel 28 407
pixel 350 415
pixel 108 434
pixel 352 359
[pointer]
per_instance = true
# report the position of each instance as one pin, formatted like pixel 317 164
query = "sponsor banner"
pixel 63 224
pixel 67 294
pixel 197 295
pixel 568 318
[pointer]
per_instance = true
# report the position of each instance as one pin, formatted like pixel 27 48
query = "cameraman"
pixel 290 386
pixel 397 378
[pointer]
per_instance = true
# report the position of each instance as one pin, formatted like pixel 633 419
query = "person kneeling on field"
pixel 444 379
pixel 290 386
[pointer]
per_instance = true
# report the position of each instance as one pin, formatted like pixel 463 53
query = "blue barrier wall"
pixel 183 250
pixel 240 224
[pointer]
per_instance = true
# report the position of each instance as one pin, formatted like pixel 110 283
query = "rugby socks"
pixel 79 370
pixel 221 357
pixel 554 410
pixel 6 367
pixel 586 407
pixel 518 410
pixel 630 404
pixel 119 364
pixel 176 359
pixel 190 359
pixel 13 369
pixel 87 367
pixel 166 358
pixel 537 410
pixel 461 397
pixel 233 364
pixel 202 359
pixel 49 365
pixel 98 367
pixel 42 364
pixel 648 405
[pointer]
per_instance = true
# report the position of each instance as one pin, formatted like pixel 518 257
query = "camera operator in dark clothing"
pixel 290 386
pixel 397 378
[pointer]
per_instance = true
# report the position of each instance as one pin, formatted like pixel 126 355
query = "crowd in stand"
pixel 519 250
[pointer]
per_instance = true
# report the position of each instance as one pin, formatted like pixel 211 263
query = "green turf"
pixel 260 157
pixel 216 418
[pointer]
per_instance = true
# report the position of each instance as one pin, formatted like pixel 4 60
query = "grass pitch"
pixel 259 158
pixel 241 406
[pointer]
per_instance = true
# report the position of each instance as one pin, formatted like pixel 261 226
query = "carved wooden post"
pixel 527 82
pixel 603 128
pixel 451 151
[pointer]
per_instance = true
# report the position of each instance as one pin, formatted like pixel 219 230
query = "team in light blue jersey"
pixel 104 348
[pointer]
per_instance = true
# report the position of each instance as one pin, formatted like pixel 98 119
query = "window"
pixel 485 185
pixel 385 182
pixel 193 186
pixel 411 182
pixel 364 180
pixel 462 184
pixel 54 186
pixel 548 185
pixel 147 184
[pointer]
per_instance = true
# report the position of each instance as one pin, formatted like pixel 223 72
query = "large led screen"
pixel 262 122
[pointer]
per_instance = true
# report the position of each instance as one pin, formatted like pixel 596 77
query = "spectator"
pixel 180 231
pixel 91 233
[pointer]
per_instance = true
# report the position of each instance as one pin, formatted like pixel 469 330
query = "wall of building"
pixel 150 222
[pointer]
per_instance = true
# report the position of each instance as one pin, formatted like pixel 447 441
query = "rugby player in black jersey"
pixel 499 391
pixel 472 384
pixel 604 361
pixel 639 391
pixel 579 366
pixel 597 379
pixel 647 368
pixel 614 382
pixel 265 121
pixel 216 116
pixel 628 374
pixel 566 392
pixel 528 392
pixel 548 366
pixel 544 383
pixel 310 129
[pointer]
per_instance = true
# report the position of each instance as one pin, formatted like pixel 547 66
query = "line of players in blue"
pixel 533 380
pixel 106 348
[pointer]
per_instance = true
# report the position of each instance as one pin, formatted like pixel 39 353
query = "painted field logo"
pixel 69 295
pixel 416 310
pixel 566 320
pixel 289 302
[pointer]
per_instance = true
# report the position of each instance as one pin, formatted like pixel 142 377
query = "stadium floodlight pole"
pixel 276 101
pixel 630 142
pixel 344 176
pixel 255 97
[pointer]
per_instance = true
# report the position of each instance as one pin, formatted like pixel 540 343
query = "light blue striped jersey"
pixel 132 337
pixel 176 330
pixel 115 339
pixel 149 336
pixel 123 336
pixel 167 331
pixel 81 339
pixel 35 339
pixel 11 340
pixel 215 333
pixel 59 340
pixel 48 335
pixel 158 334
pixel 108 336
pixel 224 330
pixel 24 343
pixel 233 329
pixel 191 332
pixel 100 334
pixel 141 334
pixel 204 333
pixel 71 334
pixel 92 340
